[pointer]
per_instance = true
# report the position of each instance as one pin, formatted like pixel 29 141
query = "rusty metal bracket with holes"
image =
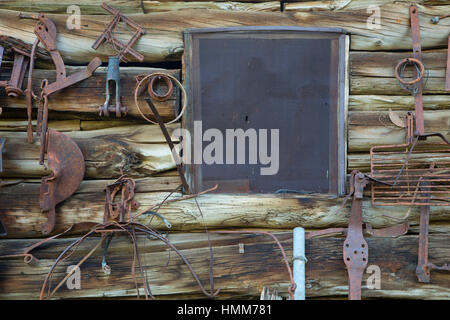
pixel 64 157
pixel 356 251
pixel 113 74
pixel 355 248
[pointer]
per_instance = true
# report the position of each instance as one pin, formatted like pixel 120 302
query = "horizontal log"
pixel 372 73
pixel 235 274
pixel 396 103
pixel 21 125
pixel 85 97
pixel 384 85
pixel 394 32
pixel 139 150
pixel 93 7
pixel 22 215
pixel 163 38
pixel 333 5
pixel 164 6
pixel 142 149
pixel 382 64
pixel 368 129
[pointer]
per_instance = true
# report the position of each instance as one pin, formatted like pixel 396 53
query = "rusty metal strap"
pixel 447 74
pixel 175 155
pixel 417 54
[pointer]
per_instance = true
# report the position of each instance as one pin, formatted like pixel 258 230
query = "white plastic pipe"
pixel 299 263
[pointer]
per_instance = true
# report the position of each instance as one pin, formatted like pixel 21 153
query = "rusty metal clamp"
pixel 113 77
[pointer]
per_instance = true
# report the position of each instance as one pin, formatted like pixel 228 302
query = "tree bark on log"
pixel 236 274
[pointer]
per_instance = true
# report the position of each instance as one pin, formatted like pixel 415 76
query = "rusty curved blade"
pixel 66 162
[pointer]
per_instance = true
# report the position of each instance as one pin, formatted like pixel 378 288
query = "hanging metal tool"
pixel 113 74
pixel 65 159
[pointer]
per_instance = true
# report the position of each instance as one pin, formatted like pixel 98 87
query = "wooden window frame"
pixel 193 176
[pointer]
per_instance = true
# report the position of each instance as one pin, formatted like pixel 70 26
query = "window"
pixel 267 109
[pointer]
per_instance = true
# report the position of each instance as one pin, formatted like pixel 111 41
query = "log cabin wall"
pixel 139 149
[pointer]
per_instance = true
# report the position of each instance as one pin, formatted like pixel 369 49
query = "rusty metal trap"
pixel 416 173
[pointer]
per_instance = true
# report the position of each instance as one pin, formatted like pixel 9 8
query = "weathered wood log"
pixel 86 96
pixel 21 125
pixel 396 103
pixel 384 85
pixel 236 274
pixel 22 215
pixel 141 149
pixel 132 146
pixel 164 6
pixel 394 18
pixel 373 72
pixel 367 129
pixel 91 7
pixel 138 150
pixel 163 38
pixel 333 5
pixel 382 64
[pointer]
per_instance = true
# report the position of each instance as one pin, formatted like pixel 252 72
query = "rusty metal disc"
pixel 66 162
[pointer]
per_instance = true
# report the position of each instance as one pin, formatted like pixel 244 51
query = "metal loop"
pixel 155 95
pixel 178 83
pixel 412 85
